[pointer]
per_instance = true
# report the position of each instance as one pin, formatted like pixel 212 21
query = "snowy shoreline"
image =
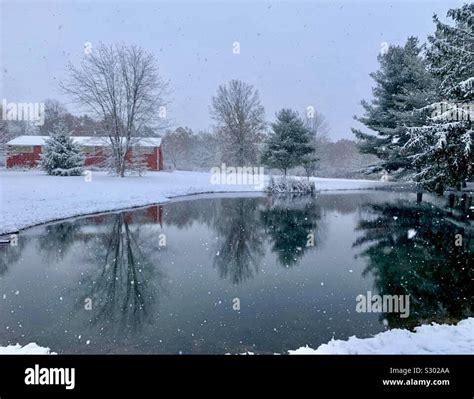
pixel 431 339
pixel 30 198
pixel 28 349
pixel 442 339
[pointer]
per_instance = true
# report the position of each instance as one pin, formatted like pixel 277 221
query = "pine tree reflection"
pixel 428 264
pixel 289 224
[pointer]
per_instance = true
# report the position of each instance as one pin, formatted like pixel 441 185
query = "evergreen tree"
pixel 289 143
pixel 61 156
pixel 442 148
pixel 402 84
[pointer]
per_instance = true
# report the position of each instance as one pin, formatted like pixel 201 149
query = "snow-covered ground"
pixel 427 339
pixel 28 198
pixel 30 349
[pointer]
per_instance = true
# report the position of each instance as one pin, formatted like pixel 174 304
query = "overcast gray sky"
pixel 296 54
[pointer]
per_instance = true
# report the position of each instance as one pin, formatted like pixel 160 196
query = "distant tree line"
pixel 419 120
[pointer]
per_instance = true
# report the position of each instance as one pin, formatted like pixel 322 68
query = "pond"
pixel 235 273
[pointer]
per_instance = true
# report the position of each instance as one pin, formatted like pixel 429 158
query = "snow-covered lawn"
pixel 427 339
pixel 32 197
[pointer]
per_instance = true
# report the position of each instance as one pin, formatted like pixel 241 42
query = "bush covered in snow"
pixel 290 185
pixel 61 156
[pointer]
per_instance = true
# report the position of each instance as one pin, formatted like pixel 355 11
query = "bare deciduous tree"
pixel 4 137
pixel 240 121
pixel 319 127
pixel 177 145
pixel 121 86
pixel 55 112
pixel 9 129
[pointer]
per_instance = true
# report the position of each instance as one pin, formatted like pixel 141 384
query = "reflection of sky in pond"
pixel 106 284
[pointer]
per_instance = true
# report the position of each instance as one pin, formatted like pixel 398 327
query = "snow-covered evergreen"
pixel 61 156
pixel 289 144
pixel 402 84
pixel 442 149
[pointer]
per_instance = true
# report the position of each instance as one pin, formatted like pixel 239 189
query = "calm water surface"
pixel 170 278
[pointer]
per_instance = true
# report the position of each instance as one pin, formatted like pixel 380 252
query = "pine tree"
pixel 442 148
pixel 61 156
pixel 289 143
pixel 402 84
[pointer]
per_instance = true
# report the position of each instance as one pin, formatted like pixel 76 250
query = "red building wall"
pixel 160 159
pixel 97 157
pixel 155 160
pixel 24 159
pixel 151 159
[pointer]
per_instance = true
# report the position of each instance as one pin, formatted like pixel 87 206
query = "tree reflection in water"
pixel 10 254
pixel 289 224
pixel 115 261
pixel 240 239
pixel 128 281
pixel 57 240
pixel 430 266
pixel 244 224
pixel 54 245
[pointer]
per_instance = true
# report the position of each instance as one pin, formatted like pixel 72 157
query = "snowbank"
pixel 30 349
pixel 28 198
pixel 427 339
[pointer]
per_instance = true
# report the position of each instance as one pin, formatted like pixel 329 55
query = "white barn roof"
pixel 87 141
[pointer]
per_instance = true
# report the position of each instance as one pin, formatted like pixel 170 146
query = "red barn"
pixel 24 151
